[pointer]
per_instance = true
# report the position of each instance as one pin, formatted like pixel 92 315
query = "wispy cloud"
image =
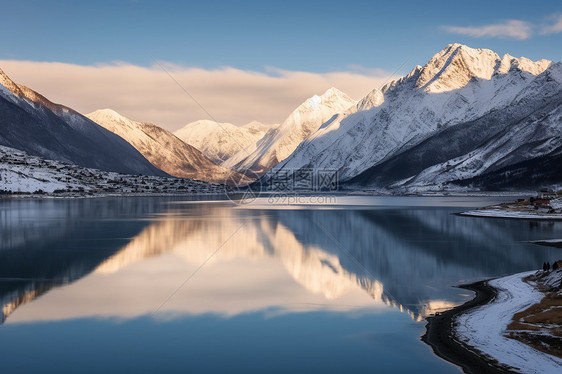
pixel 510 29
pixel 148 94
pixel 555 25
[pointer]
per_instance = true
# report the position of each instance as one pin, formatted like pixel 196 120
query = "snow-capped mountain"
pixel 466 112
pixel 220 141
pixel 280 143
pixel 163 149
pixel 32 123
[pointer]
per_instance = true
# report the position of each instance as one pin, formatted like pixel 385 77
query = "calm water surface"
pixel 162 285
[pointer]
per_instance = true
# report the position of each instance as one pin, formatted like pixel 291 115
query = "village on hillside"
pixel 545 205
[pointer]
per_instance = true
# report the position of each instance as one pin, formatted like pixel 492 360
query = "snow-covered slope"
pixel 534 136
pixel 32 123
pixel 280 143
pixel 220 141
pixel 464 101
pixel 525 129
pixel 23 173
pixel 163 149
pixel 486 327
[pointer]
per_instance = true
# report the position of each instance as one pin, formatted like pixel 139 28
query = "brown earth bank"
pixel 540 325
pixel 557 244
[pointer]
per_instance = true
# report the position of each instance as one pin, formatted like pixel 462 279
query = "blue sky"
pixel 316 36
pixel 247 60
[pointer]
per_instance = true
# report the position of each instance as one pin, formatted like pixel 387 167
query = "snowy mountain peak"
pixel 457 64
pixel 254 124
pixel 256 127
pixel 27 94
pixel 372 100
pixel 206 122
pixel 221 141
pixel 280 143
pixel 3 77
pixel 331 97
pixel 10 84
pixel 415 70
pixel 509 63
pixel 105 115
pixel 313 101
pixel 333 92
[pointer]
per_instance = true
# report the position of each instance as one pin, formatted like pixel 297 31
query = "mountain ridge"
pixel 32 123
pixel 459 86
pixel 279 143
pixel 466 113
pixel 220 141
pixel 163 149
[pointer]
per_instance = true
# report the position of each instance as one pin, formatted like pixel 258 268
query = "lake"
pixel 152 284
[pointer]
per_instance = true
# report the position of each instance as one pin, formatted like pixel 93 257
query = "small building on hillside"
pixel 541 202
pixel 546 194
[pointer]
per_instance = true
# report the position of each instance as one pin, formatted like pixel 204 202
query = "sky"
pixel 247 60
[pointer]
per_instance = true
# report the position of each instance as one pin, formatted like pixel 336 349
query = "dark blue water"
pixel 164 285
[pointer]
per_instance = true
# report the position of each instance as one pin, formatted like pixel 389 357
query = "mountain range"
pixel 467 119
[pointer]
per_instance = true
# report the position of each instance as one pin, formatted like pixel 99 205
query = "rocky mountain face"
pixel 162 148
pixel 31 123
pixel 465 116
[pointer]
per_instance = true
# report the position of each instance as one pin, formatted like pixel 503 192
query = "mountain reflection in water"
pixel 137 251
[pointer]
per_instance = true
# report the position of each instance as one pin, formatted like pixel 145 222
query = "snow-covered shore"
pixel 22 174
pixel 484 327
pixel 502 213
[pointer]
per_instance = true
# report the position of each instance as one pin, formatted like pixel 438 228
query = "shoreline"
pixel 342 192
pixel 23 196
pixel 440 337
pixel 549 243
pixel 498 214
